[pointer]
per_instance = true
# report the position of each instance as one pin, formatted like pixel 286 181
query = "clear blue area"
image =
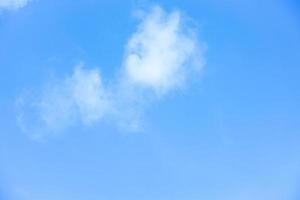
pixel 233 135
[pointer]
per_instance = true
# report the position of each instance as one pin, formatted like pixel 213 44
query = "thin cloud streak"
pixel 13 4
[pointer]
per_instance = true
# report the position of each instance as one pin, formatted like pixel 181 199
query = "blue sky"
pixel 149 100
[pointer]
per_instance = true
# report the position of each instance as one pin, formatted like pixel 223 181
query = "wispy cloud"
pixel 13 4
pixel 79 98
pixel 160 57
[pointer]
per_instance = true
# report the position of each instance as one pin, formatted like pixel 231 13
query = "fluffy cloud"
pixel 160 57
pixel 13 4
pixel 162 52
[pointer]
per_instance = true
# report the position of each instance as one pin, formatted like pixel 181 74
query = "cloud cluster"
pixel 13 4
pixel 160 57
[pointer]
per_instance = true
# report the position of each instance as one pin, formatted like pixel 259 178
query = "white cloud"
pixel 80 97
pixel 160 57
pixel 13 4
pixel 89 94
pixel 162 52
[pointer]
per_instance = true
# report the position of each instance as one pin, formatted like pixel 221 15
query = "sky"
pixel 149 100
